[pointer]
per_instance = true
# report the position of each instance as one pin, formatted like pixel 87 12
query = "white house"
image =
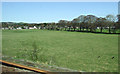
pixel 19 28
pixel 33 27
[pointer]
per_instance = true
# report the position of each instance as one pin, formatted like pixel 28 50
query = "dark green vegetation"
pixel 75 50
pixel 83 23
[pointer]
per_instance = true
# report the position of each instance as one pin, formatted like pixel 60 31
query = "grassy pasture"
pixel 75 50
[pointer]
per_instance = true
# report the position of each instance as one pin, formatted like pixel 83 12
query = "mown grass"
pixel 75 50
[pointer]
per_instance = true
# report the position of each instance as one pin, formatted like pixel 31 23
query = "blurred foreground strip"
pixel 24 67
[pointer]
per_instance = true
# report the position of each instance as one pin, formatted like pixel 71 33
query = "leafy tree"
pixel 101 22
pixel 110 21
pixel 90 21
pixel 63 23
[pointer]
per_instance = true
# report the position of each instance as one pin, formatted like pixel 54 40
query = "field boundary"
pixel 22 67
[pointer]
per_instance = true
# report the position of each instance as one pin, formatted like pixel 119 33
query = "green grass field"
pixel 87 52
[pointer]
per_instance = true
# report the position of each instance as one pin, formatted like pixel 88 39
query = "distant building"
pixel 19 28
pixel 33 27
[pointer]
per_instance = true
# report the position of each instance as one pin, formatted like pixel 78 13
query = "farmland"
pixel 80 51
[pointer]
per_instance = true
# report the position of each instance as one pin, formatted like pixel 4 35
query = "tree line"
pixel 88 23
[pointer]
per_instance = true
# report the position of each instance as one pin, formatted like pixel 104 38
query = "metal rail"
pixel 23 67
